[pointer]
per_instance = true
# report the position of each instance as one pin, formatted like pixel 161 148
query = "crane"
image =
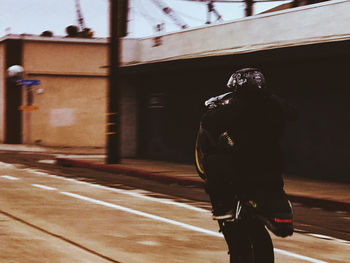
pixel 211 9
pixel 81 21
pixel 170 12
pixel 83 30
pixel 248 5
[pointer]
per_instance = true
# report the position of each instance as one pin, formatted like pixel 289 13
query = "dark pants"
pixel 226 178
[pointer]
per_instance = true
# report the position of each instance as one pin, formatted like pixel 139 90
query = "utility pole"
pixel 118 28
pixel 249 7
pixel 295 3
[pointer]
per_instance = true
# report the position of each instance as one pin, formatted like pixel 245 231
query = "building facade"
pixel 71 97
pixel 304 53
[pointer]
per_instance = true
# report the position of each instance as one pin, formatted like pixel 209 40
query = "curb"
pixel 115 168
pixel 330 204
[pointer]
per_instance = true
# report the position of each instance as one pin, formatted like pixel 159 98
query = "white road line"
pixel 159 200
pixel 342 241
pixel 121 191
pixel 294 255
pixel 9 177
pixel 143 214
pixel 6 165
pixel 183 225
pixel 44 187
pixel 321 236
pixel 47 161
pixel 81 156
pixel 35 171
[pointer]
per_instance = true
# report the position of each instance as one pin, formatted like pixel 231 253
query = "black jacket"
pixel 256 125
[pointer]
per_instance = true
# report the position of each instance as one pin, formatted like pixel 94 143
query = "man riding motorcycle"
pixel 242 154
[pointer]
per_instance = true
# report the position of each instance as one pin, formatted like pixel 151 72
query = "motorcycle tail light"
pixel 278 220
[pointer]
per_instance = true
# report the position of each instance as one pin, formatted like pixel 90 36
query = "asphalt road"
pixel 58 214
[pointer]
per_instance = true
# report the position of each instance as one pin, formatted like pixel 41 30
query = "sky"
pixel 36 16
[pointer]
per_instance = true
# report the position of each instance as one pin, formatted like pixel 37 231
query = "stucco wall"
pixel 71 112
pixel 65 58
pixel 72 107
pixel 130 51
pixel 2 90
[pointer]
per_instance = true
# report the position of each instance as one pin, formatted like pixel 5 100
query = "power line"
pixel 147 15
pixel 148 18
pixel 156 23
pixel 188 16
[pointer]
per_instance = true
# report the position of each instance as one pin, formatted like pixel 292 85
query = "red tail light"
pixel 277 220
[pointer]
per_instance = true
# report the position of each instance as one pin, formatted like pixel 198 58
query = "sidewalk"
pixel 331 195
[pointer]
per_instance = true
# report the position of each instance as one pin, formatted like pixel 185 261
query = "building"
pixel 304 53
pixel 294 3
pixel 71 98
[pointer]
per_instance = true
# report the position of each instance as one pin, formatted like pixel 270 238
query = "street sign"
pixel 28 107
pixel 28 82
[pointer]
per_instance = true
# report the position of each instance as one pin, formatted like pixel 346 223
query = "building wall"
pixel 129 118
pixel 65 58
pixel 72 97
pixel 72 106
pixel 130 51
pixel 2 90
pixel 310 24
pixel 71 112
pixel 317 145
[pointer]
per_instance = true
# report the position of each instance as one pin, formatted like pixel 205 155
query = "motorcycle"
pixel 246 236
pixel 204 142
pixel 246 232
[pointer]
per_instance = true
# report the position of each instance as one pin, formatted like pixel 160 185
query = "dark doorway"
pixel 172 104
pixel 13 95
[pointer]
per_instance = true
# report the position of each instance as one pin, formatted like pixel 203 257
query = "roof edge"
pixel 30 37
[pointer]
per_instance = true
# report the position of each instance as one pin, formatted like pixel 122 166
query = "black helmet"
pixel 247 81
